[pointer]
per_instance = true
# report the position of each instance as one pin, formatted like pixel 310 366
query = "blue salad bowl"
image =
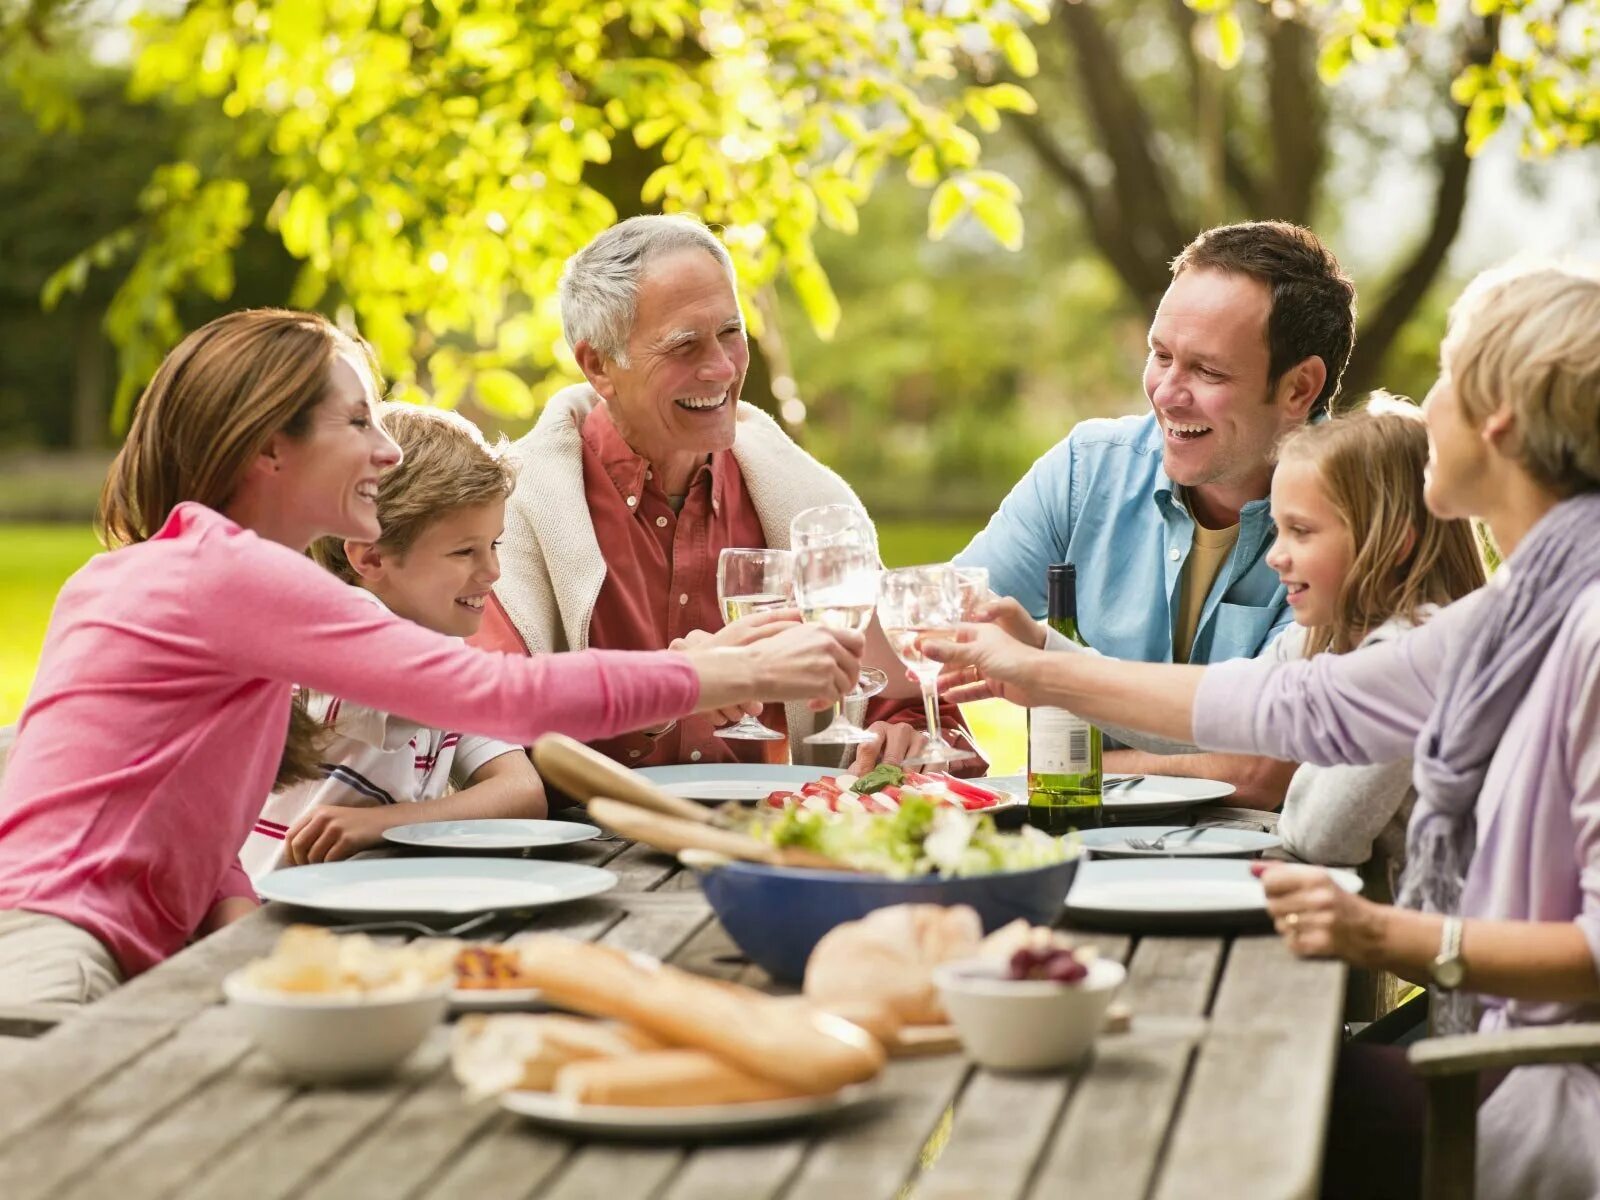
pixel 777 915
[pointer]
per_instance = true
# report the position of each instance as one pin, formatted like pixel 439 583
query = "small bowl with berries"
pixel 1036 1007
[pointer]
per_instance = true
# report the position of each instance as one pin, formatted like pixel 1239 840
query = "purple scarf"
pixel 1478 692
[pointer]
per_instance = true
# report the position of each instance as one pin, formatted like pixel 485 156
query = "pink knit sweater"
pixel 157 719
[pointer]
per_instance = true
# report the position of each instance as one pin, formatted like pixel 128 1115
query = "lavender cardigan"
pixel 1538 854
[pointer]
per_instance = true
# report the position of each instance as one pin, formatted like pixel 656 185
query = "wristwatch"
pixel 1447 969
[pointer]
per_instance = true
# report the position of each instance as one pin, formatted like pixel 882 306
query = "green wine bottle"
pixel 1063 750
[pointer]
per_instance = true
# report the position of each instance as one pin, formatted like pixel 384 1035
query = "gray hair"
pixel 599 286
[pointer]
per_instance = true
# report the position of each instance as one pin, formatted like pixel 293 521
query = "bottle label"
pixel 1058 742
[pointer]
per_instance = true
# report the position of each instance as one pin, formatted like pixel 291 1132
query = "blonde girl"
pixel 157 718
pixel 1363 561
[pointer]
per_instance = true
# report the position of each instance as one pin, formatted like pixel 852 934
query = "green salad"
pixel 922 838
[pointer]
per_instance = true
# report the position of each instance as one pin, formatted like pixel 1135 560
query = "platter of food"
pixel 885 787
pixel 493 979
pixel 723 783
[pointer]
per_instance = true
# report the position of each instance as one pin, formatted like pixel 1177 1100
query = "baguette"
pixel 667 1078
pixel 812 1052
pixel 513 1052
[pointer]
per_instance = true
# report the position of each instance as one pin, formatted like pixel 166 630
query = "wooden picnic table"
pixel 1220 1089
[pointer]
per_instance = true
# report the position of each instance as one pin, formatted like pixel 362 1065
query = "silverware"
pixel 417 927
pixel 1122 781
pixel 1184 833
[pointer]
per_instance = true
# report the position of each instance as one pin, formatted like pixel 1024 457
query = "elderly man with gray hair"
pixel 632 483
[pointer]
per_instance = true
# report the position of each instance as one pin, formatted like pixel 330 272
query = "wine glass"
pixel 752 581
pixel 836 586
pixel 916 603
pixel 840 525
pixel 973 584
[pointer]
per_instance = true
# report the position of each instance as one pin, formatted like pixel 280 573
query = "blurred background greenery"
pixel 951 221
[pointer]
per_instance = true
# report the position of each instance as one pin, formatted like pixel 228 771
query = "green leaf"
pixel 837 200
pixel 948 203
pixel 923 169
pixel 1008 97
pixel 304 226
pixel 503 393
pixel 1230 39
pixel 1019 51
pixel 816 297
pixel 1001 218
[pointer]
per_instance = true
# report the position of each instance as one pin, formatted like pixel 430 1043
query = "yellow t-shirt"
pixel 1210 550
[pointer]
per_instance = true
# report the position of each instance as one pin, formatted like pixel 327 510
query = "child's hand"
pixel 334 832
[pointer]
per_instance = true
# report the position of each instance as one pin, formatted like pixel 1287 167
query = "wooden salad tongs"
pixel 636 809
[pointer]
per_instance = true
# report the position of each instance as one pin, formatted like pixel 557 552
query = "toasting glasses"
pixel 748 582
pixel 916 603
pixel 836 574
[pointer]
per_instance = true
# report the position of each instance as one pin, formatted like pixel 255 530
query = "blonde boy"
pixel 441 512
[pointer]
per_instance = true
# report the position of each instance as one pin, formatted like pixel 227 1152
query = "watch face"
pixel 1449 973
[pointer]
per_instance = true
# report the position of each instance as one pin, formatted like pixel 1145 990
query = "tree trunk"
pixel 91 381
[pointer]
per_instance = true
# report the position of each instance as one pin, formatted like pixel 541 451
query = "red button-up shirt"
pixel 661 583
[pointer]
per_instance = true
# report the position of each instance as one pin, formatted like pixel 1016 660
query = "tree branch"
pixel 1299 118
pixel 1106 228
pixel 1378 333
pixel 1123 129
pixel 1237 175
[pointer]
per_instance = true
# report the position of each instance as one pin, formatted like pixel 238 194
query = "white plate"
pixel 1152 794
pixel 1171 893
pixel 719 783
pixel 490 834
pixel 677 1124
pixel 465 1000
pixel 434 885
pixel 1222 842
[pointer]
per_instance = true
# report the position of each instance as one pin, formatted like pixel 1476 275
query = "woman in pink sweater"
pixel 158 717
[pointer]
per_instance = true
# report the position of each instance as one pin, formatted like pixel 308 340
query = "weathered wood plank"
pixel 758 1171
pixel 73 1139
pixel 874 1153
pixel 1113 1125
pixel 1254 1112
pixel 1172 977
pixel 510 1161
pixel 642 869
pixel 602 1171
pixel 1001 1124
pixel 301 1141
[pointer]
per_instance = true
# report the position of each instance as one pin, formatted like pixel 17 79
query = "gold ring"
pixel 1292 921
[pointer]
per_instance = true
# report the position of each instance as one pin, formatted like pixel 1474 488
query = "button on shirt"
pixel 1101 500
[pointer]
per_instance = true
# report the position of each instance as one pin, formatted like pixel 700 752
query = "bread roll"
pixel 878 1019
pixel 517 1051
pixel 667 1078
pixel 811 1052
pixel 888 957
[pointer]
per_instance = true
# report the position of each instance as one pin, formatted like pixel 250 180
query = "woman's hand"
pixel 798 662
pixel 1005 613
pixel 334 832
pixel 1318 918
pixel 738 633
pixel 986 661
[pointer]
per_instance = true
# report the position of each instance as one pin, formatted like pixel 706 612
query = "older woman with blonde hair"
pixel 1498 701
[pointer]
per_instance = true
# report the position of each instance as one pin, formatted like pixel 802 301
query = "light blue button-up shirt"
pixel 1101 500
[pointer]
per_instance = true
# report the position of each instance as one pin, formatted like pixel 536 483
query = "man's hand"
pixel 1005 613
pixel 738 633
pixel 334 832
pixel 1318 918
pixel 892 742
pixel 985 662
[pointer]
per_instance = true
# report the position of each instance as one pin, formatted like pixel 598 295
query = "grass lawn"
pixel 35 560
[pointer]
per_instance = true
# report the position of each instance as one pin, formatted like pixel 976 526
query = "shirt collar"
pixel 629 471
pixel 1169 497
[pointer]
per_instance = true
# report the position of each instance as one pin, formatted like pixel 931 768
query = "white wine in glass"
pixel 749 582
pixel 836 586
pixel 917 603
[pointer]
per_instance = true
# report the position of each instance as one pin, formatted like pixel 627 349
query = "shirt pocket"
pixel 1240 630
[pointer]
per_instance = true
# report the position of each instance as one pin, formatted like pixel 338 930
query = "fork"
pixel 1183 833
pixel 417 927
pixel 1120 781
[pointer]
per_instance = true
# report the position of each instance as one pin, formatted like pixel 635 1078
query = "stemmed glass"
pixel 748 582
pixel 916 603
pixel 973 584
pixel 836 585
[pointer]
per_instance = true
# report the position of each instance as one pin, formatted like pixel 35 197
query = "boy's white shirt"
pixel 373 758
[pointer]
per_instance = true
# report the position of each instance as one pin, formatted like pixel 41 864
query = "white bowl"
pixel 328 1039
pixel 1026 1024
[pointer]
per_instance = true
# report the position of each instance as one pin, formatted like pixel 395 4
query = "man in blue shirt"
pixel 1165 515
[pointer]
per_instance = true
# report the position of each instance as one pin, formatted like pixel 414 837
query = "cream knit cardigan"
pixel 551 563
